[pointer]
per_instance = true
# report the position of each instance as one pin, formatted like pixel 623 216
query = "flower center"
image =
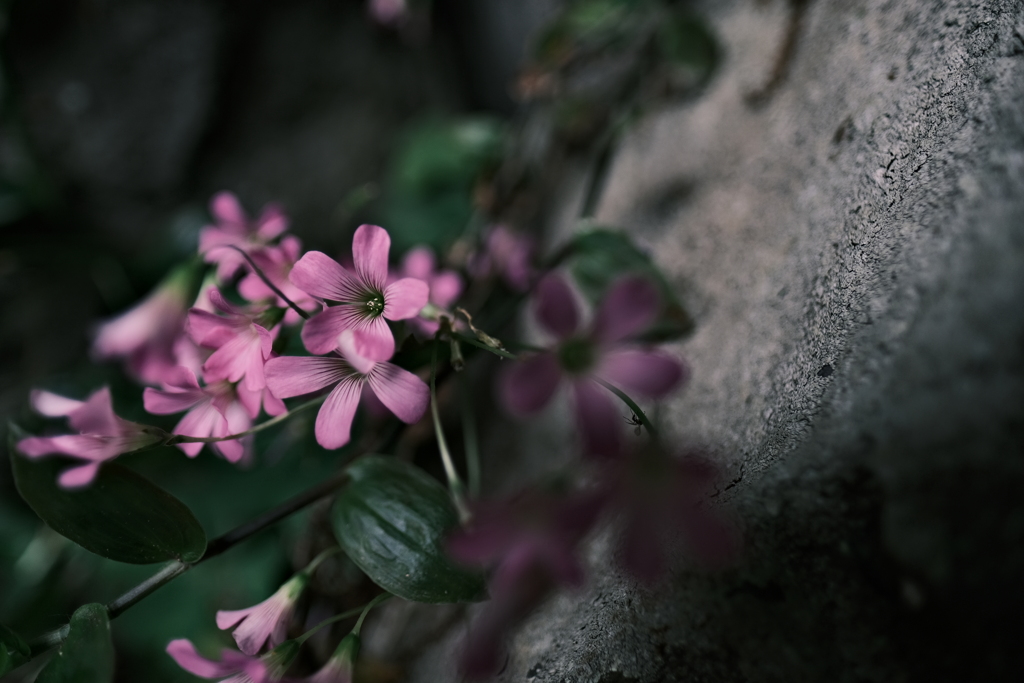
pixel 576 356
pixel 375 306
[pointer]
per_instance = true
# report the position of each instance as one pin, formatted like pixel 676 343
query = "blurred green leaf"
pixel 121 515
pixel 601 256
pixel 87 654
pixel 13 650
pixel 688 49
pixel 391 521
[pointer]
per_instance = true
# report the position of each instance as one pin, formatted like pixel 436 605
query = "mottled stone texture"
pixel 853 252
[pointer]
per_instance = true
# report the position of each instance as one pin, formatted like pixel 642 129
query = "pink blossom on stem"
pixel 364 298
pixel 266 622
pixel 233 228
pixel 404 394
pixel 102 434
pixel 276 264
pixel 338 668
pixel 600 353
pixel 242 343
pixel 146 334
pixel 445 285
pixel 235 667
pixel 505 254
pixel 530 543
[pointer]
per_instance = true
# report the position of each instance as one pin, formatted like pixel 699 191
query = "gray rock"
pixel 853 252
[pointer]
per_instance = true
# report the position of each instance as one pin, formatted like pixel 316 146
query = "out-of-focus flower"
pixel 663 500
pixel 241 668
pixel 217 410
pixel 364 297
pixel 266 622
pixel 103 435
pixel 338 668
pixel 506 254
pixel 601 353
pixel 241 339
pixel 530 542
pixel 277 263
pixel 233 228
pixel 404 394
pixel 445 285
pixel 146 334
pixel 388 12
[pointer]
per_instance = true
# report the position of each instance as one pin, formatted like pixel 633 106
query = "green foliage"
pixel 121 515
pixel 391 521
pixel 600 256
pixel 87 654
pixel 13 650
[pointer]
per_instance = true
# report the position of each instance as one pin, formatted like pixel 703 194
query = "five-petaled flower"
pixel 364 298
pixel 241 668
pixel 601 353
pixel 404 394
pixel 103 435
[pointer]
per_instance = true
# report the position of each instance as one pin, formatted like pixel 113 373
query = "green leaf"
pixel 87 654
pixel 121 515
pixel 601 256
pixel 391 520
pixel 13 650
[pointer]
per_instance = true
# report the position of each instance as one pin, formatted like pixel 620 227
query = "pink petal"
pixel 405 394
pixel 374 340
pixel 347 346
pixel 405 298
pixel 272 405
pixel 418 263
pixel 204 327
pixel 648 373
pixel 370 247
pixel 556 306
pixel 225 208
pixel 289 376
pixel 250 400
pixel 272 222
pixel 228 618
pixel 527 386
pixel 52 405
pixel 237 359
pixel 201 421
pixel 184 653
pixel 317 274
pixel 170 402
pixel 445 288
pixel 334 421
pixel 96 415
pixel 629 307
pixel 79 476
pixel 597 418
pixel 236 421
pixel 320 333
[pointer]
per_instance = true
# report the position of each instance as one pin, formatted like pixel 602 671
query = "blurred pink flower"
pixel 364 297
pixel 146 333
pixel 404 394
pixel 234 228
pixel 241 668
pixel 242 343
pixel 338 668
pixel 445 285
pixel 277 263
pixel 103 435
pixel 266 622
pixel 388 12
pixel 505 254
pixel 602 352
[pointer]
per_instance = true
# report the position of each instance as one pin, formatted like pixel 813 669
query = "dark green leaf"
pixel 13 650
pixel 391 520
pixel 121 515
pixel 689 51
pixel 601 256
pixel 87 654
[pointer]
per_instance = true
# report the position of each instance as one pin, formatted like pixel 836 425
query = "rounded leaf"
pixel 87 654
pixel 121 515
pixel 391 520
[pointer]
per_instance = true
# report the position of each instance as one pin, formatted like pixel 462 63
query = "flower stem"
pixel 470 437
pixel 259 273
pixel 475 342
pixel 181 438
pixel 632 406
pixel 361 611
pixel 455 484
pixel 319 559
pixel 366 610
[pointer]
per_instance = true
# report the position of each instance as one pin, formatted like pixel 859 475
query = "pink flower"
pixel 103 435
pixel 218 409
pixel 628 308
pixel 146 333
pixel 530 542
pixel 277 263
pixel 388 12
pixel 404 394
pixel 365 299
pixel 266 622
pixel 506 254
pixel 445 285
pixel 338 668
pixel 234 228
pixel 242 343
pixel 241 668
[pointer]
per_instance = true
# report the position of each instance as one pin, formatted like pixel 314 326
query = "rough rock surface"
pixel 853 251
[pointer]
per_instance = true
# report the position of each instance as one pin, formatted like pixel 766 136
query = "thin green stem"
pixel 470 437
pixel 476 342
pixel 181 438
pixel 259 273
pixel 632 406
pixel 337 617
pixel 373 603
pixel 319 559
pixel 454 483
